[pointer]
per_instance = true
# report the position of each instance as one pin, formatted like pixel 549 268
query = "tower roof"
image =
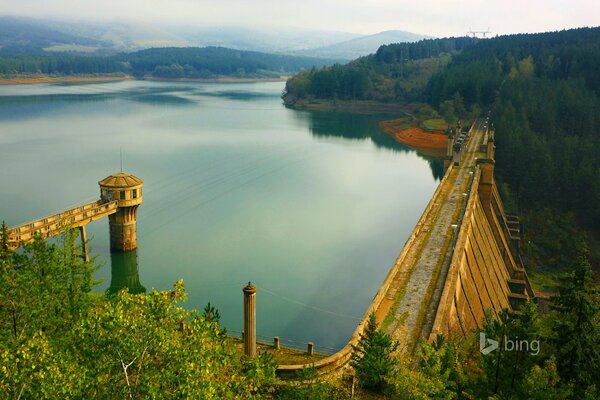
pixel 121 180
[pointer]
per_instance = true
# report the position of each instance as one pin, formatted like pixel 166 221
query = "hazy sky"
pixel 433 17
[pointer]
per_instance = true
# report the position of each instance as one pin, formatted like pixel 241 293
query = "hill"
pixel 162 63
pixel 396 72
pixel 362 46
pixel 30 36
pixel 206 62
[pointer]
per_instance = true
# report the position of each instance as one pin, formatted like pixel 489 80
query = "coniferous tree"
pixel 576 327
pixel 372 357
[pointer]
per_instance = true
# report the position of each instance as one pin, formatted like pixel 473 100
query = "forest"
pixel 396 72
pixel 543 91
pixel 168 62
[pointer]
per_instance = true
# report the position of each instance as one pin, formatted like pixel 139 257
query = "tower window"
pixel 135 193
pixel 122 195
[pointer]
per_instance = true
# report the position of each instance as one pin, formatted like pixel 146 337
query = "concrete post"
pixel 276 343
pixel 449 144
pixel 449 147
pixel 456 154
pixel 86 257
pixel 250 320
pixel 486 184
pixel 123 229
pixel 311 348
pixel 491 148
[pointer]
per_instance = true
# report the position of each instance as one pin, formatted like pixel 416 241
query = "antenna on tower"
pixel 475 33
pixel 121 157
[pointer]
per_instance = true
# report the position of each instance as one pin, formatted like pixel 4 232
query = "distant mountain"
pixel 266 40
pixel 27 36
pixel 20 35
pixel 362 46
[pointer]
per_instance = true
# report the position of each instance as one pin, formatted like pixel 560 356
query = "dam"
pixel 460 261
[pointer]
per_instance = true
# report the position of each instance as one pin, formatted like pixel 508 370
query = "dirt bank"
pixel 406 133
pixel 29 79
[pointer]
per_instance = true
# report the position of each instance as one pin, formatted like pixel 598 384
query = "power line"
pixel 307 305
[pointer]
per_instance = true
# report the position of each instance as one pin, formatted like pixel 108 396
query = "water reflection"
pixel 353 126
pixel 125 272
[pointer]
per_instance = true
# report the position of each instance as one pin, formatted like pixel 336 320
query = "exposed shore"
pixel 31 79
pixel 414 136
pixel 361 106
pixel 404 129
pixel 218 79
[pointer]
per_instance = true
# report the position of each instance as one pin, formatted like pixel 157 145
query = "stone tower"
pixel 126 189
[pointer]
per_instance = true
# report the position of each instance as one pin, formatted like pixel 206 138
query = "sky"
pixel 430 17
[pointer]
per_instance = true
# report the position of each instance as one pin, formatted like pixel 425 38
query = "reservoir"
pixel 312 207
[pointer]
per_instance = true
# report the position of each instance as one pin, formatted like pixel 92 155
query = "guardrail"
pixel 54 224
pixel 277 342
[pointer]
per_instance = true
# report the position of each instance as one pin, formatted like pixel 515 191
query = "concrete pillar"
pixel 449 147
pixel 449 144
pixel 491 148
pixel 311 348
pixel 276 343
pixel 456 153
pixel 123 229
pixel 486 184
pixel 85 255
pixel 250 320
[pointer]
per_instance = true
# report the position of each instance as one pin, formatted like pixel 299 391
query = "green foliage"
pixel 576 327
pixel 310 387
pixel 396 72
pixel 505 369
pixel 313 390
pixel 59 341
pixel 372 357
pixel 543 383
pixel 440 372
pixel 307 373
pixel 543 90
pixel 44 288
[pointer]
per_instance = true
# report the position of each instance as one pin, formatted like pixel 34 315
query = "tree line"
pixel 170 62
pixel 396 72
pixel 544 93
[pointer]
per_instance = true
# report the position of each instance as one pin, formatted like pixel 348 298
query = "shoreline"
pixel 33 79
pixel 219 79
pixel 360 106
pixel 405 132
pixel 404 129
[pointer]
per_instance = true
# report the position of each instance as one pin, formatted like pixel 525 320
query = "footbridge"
pixel 460 261
pixel 120 196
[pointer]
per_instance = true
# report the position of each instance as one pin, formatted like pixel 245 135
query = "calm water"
pixel 311 207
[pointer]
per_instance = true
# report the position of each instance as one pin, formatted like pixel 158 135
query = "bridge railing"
pixel 59 222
